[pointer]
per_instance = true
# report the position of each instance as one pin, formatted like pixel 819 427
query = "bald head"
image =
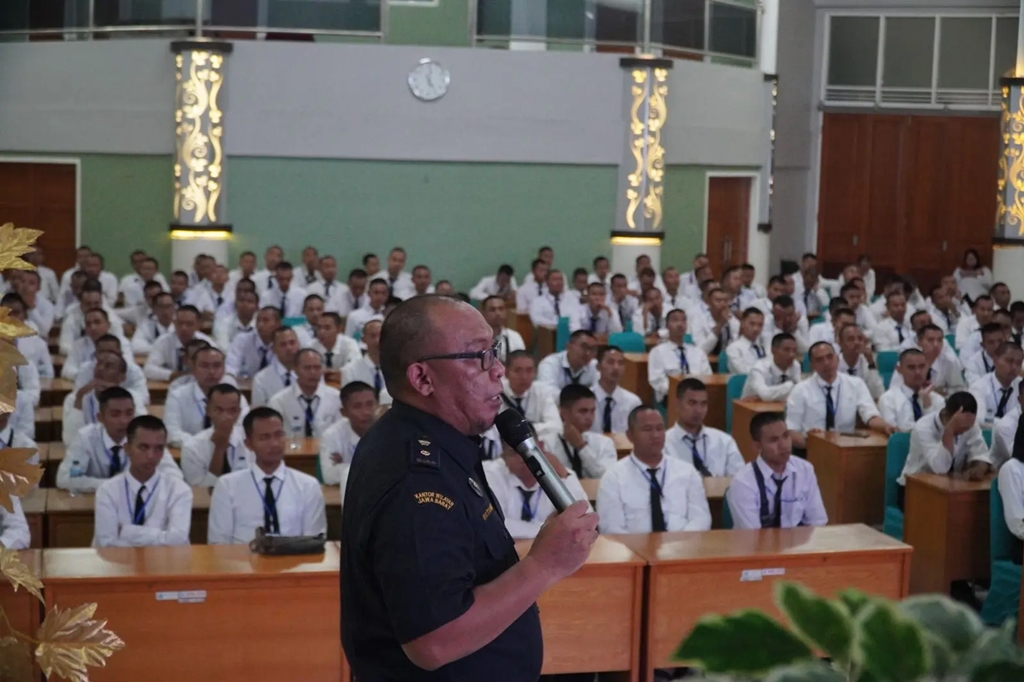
pixel 409 333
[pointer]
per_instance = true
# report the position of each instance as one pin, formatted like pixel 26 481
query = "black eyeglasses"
pixel 486 357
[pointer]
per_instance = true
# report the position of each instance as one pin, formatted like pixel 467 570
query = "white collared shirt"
pixel 73 326
pixel 1011 489
pixel 743 353
pixel 929 455
pixel 546 310
pixel 509 340
pixel 337 297
pixel 625 308
pixel 237 505
pixel 896 406
pixel 801 497
pixel 989 393
pixel 650 323
pixel 805 407
pixel 800 334
pixel 246 355
pixel 83 350
pixel 345 348
pixel 944 374
pixel 949 324
pixel 93 453
pixel 41 316
pixel 14 438
pixel 146 334
pixel 36 351
pixel 200 296
pixel 528 293
pixel 767 382
pixel 185 412
pixel 293 300
pixel 357 319
pixel 977 366
pixel 507 489
pixel 624 497
pixel 197 453
pixel 135 380
pixel 603 322
pixel 488 286
pixel 48 284
pixel 166 356
pixel 823 331
pixel 555 371
pixel 539 406
pixel 167 510
pixel 291 403
pixel 702 329
pixel 338 439
pixel 225 329
pixel 595 457
pixel 74 419
pixel 14 530
pixel 1003 433
pixel 664 361
pixel 717 449
pixel 362 368
pixel 622 403
pixel 887 332
pixel 400 287
pixel 270 381
pixel 870 376
pixel 967 325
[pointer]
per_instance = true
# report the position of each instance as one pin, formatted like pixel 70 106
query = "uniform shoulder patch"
pixel 424 455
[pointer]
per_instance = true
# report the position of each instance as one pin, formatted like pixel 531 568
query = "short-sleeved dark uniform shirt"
pixel 420 530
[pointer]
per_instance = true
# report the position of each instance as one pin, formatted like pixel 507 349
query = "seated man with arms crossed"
pixel 710 451
pixel 905 403
pixel 139 506
pixel 220 448
pixel 338 444
pixel 746 350
pixel 586 453
pixel 574 365
pixel 772 378
pixel 646 492
pixel 309 405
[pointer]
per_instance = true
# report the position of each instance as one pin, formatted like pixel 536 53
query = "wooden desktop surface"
pixel 634 377
pixel 623 446
pixel 851 475
pixel 946 520
pixel 742 413
pixel 520 321
pixel 207 612
pixel 695 574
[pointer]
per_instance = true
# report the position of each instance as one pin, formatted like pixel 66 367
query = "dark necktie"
pixel 622 312
pixel 573 378
pixel 929 376
pixel 139 517
pixel 1001 409
pixel 606 422
pixel 698 461
pixel 206 417
pixel 327 289
pixel 899 331
pixel 777 514
pixel 984 360
pixel 574 458
pixel 271 524
pixel 519 405
pixel 593 323
pixel 830 410
pixel 807 302
pixel 284 305
pixel 270 283
pixel 287 378
pixel 115 460
pixel 558 311
pixel 309 416
pixel 657 513
pixel 329 358
pixel 220 300
pixel 527 513
pixel 378 384
pixel 759 351
pixel 226 467
pixel 540 289
pixel 391 287
pixel 486 449
pixel 683 364
pixel 915 402
pixel 1017 337
pixel 181 359
pixel 853 371
pixel 263 357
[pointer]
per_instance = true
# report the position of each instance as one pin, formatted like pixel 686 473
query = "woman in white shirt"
pixel 972 278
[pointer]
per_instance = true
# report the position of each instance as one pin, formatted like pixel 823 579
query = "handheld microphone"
pixel 516 431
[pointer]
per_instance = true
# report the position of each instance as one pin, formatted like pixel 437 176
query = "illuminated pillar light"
pixel 641 189
pixel 199 224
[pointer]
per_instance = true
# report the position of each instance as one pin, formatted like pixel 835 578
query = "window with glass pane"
pixel 733 30
pixel 618 21
pixel 330 15
pixel 678 23
pixel 493 17
pixel 909 52
pixel 1006 48
pixel 853 51
pixel 964 49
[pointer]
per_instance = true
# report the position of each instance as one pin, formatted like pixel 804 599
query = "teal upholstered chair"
pixel 629 342
pixel 805 366
pixel 726 513
pixel 723 363
pixel 733 390
pixel 951 340
pixel 886 361
pixel 562 334
pixel 1003 600
pixel 895 458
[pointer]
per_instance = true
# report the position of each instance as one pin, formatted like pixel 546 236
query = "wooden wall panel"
pixel 42 196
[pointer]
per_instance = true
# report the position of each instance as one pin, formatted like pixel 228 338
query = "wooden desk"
pixel 583 634
pixel 54 391
pixel 22 609
pixel 332 500
pixel 634 377
pixel 946 520
pixel 694 574
pixel 235 615
pixel 44 425
pixel 544 340
pixel 34 506
pixel 305 457
pixel 623 446
pixel 742 413
pixel 714 488
pixel 520 321
pixel 851 475
pixel 716 384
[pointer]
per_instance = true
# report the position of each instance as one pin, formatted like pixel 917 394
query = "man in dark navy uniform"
pixel 431 586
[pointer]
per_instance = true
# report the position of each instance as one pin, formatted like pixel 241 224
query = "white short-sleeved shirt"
pixel 325 403
pixel 507 488
pixel 555 371
pixel 362 368
pixel 340 439
pixel 929 455
pixel 1011 489
pixel 546 310
pixel 167 512
pixel 539 404
pixel 246 355
pixel 270 381
pixel 743 354
pixel 596 457
pixel 293 300
pixel 624 497
pixel 197 453
pixel 665 360
pixel 622 403
pixel 345 348
pixel 1004 431
pixel 766 381
pixel 805 407
pixel 717 450
pixel 801 497
pixel 897 408
pixel 989 393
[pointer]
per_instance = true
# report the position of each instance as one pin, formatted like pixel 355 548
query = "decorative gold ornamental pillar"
pixel 638 220
pixel 1008 240
pixel 199 162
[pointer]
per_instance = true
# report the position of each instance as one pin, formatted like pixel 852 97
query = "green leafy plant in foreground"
pixel 867 639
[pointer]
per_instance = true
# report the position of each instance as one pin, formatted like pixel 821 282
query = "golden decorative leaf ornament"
pixel 15 661
pixel 17 476
pixel 70 641
pixel 11 328
pixel 18 574
pixel 15 242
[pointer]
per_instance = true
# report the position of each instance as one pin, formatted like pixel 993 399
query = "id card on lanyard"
pixel 652 481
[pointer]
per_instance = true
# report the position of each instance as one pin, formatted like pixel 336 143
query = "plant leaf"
pixel 822 623
pixel 12 328
pixel 1003 671
pixel 747 642
pixel 70 641
pixel 18 574
pixel 17 476
pixel 15 661
pixel 959 626
pixel 854 600
pixel 817 671
pixel 15 242
pixel 889 645
pixel 994 645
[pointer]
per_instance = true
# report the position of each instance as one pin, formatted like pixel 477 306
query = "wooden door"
pixel 42 196
pixel 728 222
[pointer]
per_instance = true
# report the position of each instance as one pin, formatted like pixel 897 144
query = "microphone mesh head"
pixel 513 427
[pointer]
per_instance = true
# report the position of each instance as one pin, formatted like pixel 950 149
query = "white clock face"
pixel 429 80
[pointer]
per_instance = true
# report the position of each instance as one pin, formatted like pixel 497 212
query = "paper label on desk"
pixel 183 597
pixel 756 574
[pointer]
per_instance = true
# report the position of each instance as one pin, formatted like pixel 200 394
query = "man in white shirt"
pixel 421 281
pixel 555 304
pixel 508 340
pixel 1011 486
pixel 909 400
pixel 49 286
pixel 944 370
pixel 580 449
pixel 336 348
pixel 81 406
pixel 533 286
pixel 285 296
pixel 280 371
pixel 14 530
pixel 269 495
pixel 853 294
pixel 621 301
pixel 10 437
pixel 1004 435
pixel 981 363
pixel 996 392
pixel 783 317
pixel 35 348
pixel 326 287
pixel 246 268
pixel 536 401
pixel 574 365
pixel 338 442
pixel 144 269
pixel 502 285
pixel 374 308
pixel 308 406
pixel 186 412
pixel 241 321
pixel 773 378
pixel 614 403
pixel 166 361
pixel 82 253
pixel 312 309
pixel 691 280
pixel 93 267
pixel 97 325
pixel 949 442
pixel 138 307
pixel 98 453
pixel 579 285
pixel 857 360
pixel 523 504
pixel 1001 297
pixel 252 351
pixel 398 281
pixel 73 325
pixel 674 357
pixel 264 279
pixel 841 317
pixel 647 491
pixel 673 294
pixel 140 506
pixel 371 264
pixel 602 270
pixel 792 498
pixel 894 329
pixel 596 316
pixel 38 309
pixel 713 326
pixel 710 451
pixel 747 348
pixel 366 367
pixel 309 273
pixel 644 277
pixel 981 309
pixel 830 400
pixel 160 322
pixel 179 288
pixel 943 307
pixel 220 447
pixel 649 319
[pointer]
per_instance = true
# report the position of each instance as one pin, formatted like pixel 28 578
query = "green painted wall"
pixel 445 24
